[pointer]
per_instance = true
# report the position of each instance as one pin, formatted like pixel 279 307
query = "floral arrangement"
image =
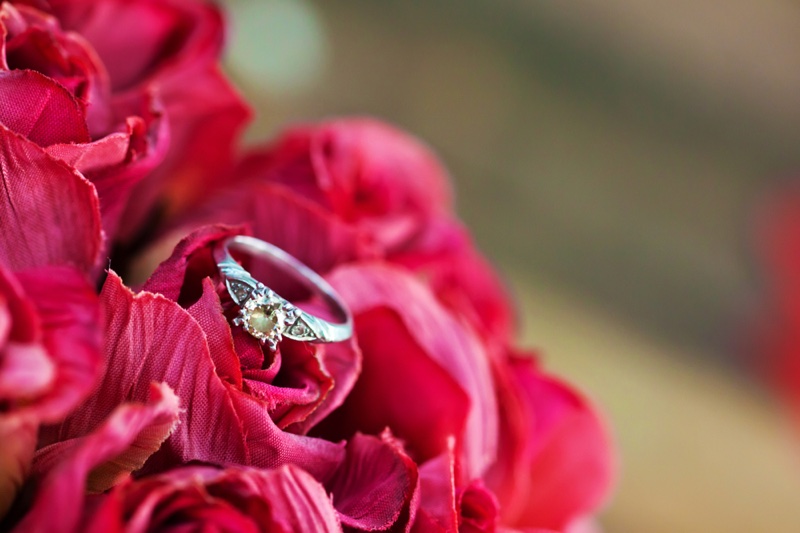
pixel 130 406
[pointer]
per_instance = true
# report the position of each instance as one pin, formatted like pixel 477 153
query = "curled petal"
pixel 443 351
pixel 125 437
pixel 69 313
pixel 557 452
pixel 40 109
pixel 375 485
pixel 50 212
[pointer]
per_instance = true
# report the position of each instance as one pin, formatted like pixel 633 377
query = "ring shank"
pixel 323 330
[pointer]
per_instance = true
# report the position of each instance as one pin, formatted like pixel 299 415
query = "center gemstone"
pixel 264 320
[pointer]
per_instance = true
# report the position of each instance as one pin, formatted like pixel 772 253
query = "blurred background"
pixel 608 155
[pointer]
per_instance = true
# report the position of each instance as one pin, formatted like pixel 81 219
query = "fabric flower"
pixel 433 323
pixel 113 104
pixel 368 191
pixel 242 406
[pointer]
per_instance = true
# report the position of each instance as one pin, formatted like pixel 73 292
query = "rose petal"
pixel 461 277
pixel 293 223
pixel 135 52
pixel 69 312
pixel 567 465
pixel 478 509
pixel 375 485
pixel 40 109
pixel 438 511
pixel 443 348
pixel 180 276
pixel 50 212
pixel 150 338
pixel 116 163
pixel 61 493
pixel 234 499
pixel 365 172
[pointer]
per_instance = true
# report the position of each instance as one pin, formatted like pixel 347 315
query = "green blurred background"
pixel 608 155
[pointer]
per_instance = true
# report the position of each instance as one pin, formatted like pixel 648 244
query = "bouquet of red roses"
pixel 128 406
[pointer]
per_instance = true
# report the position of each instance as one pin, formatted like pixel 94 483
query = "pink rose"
pixel 112 101
pixel 242 405
pixel 433 324
pixel 368 191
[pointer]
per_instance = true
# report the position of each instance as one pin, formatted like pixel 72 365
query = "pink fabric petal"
pixel 50 212
pixel 445 257
pixel 150 338
pixel 137 52
pixel 364 171
pixel 234 499
pixel 40 109
pixel 302 384
pixel 567 457
pixel 293 223
pixel 438 511
pixel 69 312
pixel 115 164
pixel 180 276
pixel 206 116
pixel 61 493
pixel 443 349
pixel 376 484
pixel 35 41
pixel 478 509
pixel 26 372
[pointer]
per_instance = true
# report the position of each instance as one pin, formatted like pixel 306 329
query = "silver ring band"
pixel 269 317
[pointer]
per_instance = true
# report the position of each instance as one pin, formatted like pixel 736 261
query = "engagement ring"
pixel 266 315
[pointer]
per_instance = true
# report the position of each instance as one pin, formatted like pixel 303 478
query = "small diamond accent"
pixel 300 329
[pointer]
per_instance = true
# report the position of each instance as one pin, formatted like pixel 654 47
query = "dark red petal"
pixel 62 492
pixel 478 509
pixel 299 503
pixel 151 339
pixel 375 485
pixel 49 212
pixel 166 34
pixel 446 258
pixel 40 109
pixel 206 116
